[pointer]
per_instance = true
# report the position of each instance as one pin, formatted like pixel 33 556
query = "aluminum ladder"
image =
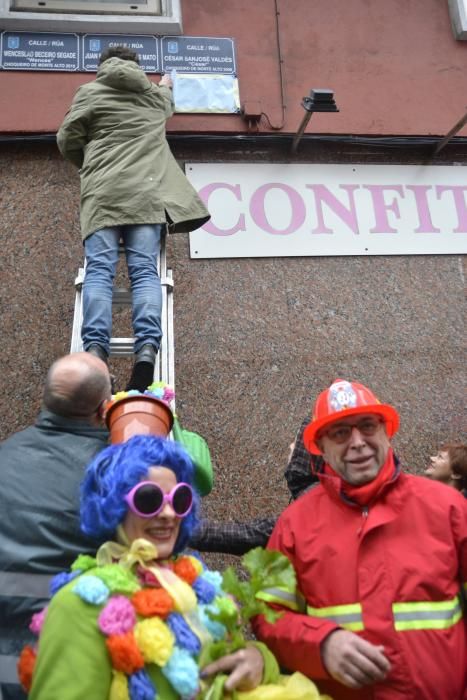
pixel 164 368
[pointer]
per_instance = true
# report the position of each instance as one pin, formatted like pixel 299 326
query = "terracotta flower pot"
pixel 138 415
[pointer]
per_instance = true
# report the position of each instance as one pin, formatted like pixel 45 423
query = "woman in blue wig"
pixel 130 623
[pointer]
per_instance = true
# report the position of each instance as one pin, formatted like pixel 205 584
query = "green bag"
pixel 198 449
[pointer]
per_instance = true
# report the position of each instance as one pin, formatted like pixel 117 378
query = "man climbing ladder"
pixel 131 187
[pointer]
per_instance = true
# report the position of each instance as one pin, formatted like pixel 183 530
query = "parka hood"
pixel 123 75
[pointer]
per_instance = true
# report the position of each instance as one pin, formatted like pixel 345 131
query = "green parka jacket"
pixel 114 132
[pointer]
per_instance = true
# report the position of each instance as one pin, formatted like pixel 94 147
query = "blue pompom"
pixel 141 687
pixel 215 579
pixel 184 636
pixel 182 673
pixel 61 580
pixel 205 591
pixel 215 629
pixel 91 589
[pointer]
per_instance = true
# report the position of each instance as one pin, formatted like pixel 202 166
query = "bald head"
pixel 76 385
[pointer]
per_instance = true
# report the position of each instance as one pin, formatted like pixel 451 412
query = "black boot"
pixel 98 351
pixel 142 374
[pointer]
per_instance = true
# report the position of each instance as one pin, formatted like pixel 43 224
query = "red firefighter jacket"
pixel 393 573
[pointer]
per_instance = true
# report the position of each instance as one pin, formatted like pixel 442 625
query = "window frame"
pixel 167 23
pixel 150 7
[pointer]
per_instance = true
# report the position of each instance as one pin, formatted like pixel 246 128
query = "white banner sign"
pixel 286 210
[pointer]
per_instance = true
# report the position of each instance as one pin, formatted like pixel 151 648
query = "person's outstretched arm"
pixel 164 87
pixel 298 473
pixel 72 136
pixel 233 537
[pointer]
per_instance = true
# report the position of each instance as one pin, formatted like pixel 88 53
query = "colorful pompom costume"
pixel 125 631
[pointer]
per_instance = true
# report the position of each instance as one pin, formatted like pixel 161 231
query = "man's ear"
pixel 102 409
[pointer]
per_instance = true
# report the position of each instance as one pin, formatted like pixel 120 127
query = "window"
pixel 458 12
pixel 162 17
pixel 99 7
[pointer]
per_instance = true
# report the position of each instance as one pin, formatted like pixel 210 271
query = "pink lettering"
pixel 258 212
pixel 381 207
pixel 423 210
pixel 347 214
pixel 459 201
pixel 210 227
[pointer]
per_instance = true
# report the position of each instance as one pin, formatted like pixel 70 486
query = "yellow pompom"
pixel 120 395
pixel 196 563
pixel 119 687
pixel 155 640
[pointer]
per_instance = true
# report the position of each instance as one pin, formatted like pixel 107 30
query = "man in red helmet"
pixel 381 561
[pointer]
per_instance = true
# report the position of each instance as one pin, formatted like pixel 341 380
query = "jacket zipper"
pixel 364 516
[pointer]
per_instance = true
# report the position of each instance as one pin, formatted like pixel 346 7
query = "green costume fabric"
pixel 73 662
pixel 115 132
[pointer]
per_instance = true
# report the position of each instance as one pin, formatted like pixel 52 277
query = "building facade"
pixel 258 335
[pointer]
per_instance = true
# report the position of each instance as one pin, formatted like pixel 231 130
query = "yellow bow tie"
pixel 144 553
pixel 139 552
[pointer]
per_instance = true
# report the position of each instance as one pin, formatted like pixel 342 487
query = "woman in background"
pixel 449 465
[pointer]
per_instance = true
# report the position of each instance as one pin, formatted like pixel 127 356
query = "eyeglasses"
pixel 147 499
pixel 341 433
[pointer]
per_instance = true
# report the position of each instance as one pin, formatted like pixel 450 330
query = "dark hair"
pixel 457 454
pixel 114 472
pixel 122 52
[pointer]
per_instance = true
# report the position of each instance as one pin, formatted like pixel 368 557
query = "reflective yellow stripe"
pixel 347 616
pixel 426 615
pixel 282 597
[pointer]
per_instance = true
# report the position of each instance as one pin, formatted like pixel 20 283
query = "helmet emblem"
pixel 342 396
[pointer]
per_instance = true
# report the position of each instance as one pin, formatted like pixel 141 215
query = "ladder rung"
pixel 121 295
pixel 121 346
pixel 167 282
pixel 80 278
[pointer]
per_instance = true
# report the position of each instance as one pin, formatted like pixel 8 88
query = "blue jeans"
pixel 142 244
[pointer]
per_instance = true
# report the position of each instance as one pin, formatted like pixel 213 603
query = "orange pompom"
pixel 26 663
pixel 152 601
pixel 124 653
pixel 185 570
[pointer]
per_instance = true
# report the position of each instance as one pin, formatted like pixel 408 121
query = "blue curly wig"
pixel 114 472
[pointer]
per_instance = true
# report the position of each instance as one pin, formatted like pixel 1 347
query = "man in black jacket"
pixel 41 468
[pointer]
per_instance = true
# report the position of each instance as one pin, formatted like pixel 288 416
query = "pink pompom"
pixel 37 621
pixel 118 616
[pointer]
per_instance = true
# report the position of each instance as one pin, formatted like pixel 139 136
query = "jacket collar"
pixel 46 420
pixel 333 485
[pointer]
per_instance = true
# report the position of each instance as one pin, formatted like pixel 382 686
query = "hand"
pixel 166 81
pixel 353 661
pixel 245 667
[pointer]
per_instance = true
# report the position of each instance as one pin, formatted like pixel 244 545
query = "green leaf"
pixel 213 651
pixel 225 611
pixel 215 691
pixel 269 568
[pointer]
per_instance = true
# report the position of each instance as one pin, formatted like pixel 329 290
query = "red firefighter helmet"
pixel 342 399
